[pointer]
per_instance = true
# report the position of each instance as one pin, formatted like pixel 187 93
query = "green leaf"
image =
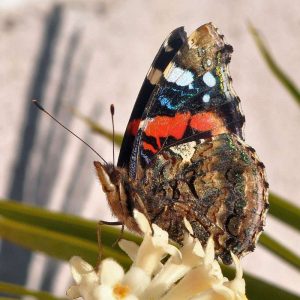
pixel 14 289
pixel 277 71
pixel 284 211
pixel 61 222
pixel 97 128
pixel 280 250
pixel 58 245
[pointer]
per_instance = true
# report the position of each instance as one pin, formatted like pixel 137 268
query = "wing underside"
pixel 192 99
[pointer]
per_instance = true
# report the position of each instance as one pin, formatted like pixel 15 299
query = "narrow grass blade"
pixel 276 70
pixel 14 290
pixel 284 211
pixel 97 128
pixel 56 244
pixel 258 289
pixel 280 250
pixel 60 222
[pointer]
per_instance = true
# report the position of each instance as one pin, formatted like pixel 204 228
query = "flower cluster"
pixel 190 272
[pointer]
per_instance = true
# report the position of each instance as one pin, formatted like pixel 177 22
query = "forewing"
pixel 193 99
pixel 165 54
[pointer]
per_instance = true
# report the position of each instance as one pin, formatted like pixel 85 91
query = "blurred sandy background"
pixel 89 54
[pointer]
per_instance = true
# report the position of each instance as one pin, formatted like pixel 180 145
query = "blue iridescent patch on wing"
pixel 174 97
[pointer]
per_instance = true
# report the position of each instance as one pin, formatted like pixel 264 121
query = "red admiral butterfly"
pixel 183 153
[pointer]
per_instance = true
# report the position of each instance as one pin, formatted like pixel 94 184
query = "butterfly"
pixel 183 154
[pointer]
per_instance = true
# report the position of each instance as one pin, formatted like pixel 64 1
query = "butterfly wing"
pixel 193 98
pixel 165 54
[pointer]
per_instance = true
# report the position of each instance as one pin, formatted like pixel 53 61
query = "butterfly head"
pixel 113 181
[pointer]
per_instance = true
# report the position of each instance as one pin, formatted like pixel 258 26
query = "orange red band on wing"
pixel 208 121
pixel 164 126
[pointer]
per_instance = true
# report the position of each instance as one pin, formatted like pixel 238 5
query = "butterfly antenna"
pixel 40 107
pixel 112 112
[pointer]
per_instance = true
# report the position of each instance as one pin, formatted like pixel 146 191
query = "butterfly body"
pixel 183 154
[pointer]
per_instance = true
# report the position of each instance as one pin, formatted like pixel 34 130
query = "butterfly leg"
pixel 99 238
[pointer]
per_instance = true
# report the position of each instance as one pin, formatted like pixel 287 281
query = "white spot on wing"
pixel 142 124
pixel 173 73
pixel 209 79
pixel 185 79
pixel 186 150
pixel 206 98
pixel 179 76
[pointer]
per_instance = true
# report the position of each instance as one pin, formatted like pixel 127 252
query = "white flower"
pixel 189 273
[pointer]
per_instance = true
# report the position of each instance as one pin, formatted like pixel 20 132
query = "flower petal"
pixel 188 226
pixel 195 281
pixel 152 250
pixel 73 292
pixel 131 297
pixel 142 221
pixel 175 268
pixel 137 280
pixel 130 248
pixel 209 251
pixel 168 275
pixel 238 267
pixel 110 272
pixel 101 292
pixel 81 269
pixel 211 294
pixel 238 283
